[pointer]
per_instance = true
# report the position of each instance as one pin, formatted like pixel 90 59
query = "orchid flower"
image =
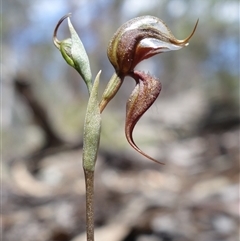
pixel 138 39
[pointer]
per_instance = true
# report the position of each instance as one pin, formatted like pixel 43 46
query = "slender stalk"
pixel 89 180
pixel 112 88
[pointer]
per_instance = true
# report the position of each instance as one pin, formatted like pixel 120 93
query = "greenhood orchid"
pixel 138 39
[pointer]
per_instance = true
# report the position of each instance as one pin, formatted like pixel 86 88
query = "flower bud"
pixel 74 52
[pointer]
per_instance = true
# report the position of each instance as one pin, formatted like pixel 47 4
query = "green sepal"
pixel 92 128
pixel 79 57
pixel 65 49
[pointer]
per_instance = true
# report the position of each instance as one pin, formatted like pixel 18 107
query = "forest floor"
pixel 194 197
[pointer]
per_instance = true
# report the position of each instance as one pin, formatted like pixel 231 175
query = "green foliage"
pixel 92 128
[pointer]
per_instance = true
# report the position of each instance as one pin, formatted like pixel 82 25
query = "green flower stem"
pixel 92 128
pixel 112 88
pixel 91 138
pixel 89 182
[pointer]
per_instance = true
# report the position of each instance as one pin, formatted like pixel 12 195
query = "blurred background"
pixel 193 126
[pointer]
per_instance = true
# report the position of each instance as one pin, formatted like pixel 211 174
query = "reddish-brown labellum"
pixel 144 94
